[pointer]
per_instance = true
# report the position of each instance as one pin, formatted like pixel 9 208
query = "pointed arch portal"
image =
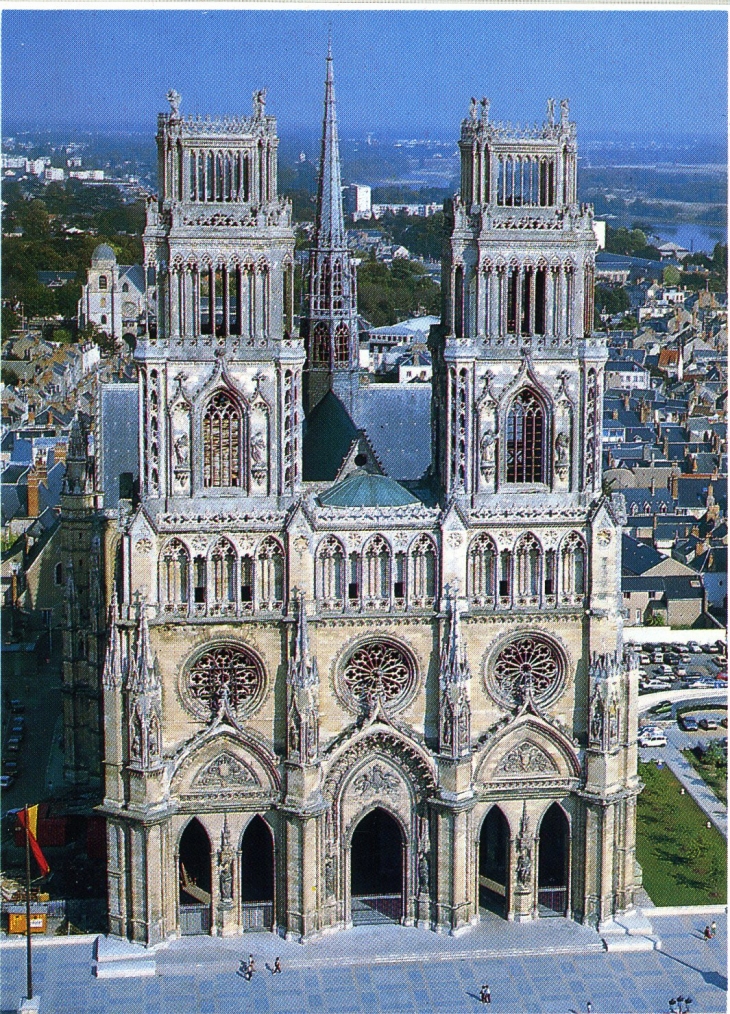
pixel 257 876
pixel 376 869
pixel 494 862
pixel 553 863
pixel 195 880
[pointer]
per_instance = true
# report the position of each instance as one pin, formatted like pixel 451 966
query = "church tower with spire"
pixel 329 325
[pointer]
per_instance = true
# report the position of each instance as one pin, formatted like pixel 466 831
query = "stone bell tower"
pixel 219 373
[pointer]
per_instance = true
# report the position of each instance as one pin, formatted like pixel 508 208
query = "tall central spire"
pixel 329 324
pixel 330 223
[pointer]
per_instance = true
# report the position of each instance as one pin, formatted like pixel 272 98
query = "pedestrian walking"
pixel 713 927
pixel 707 933
pixel 276 970
pixel 487 995
pixel 589 1007
pixel 673 1006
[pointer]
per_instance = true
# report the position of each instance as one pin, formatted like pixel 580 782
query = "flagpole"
pixel 29 965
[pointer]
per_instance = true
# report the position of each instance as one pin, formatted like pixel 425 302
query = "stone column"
pixel 549 301
pixel 304 889
pixel 531 303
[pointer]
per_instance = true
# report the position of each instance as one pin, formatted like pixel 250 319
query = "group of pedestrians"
pixel 247 968
pixel 710 931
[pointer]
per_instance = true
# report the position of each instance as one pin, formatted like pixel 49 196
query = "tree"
pixel 671 275
pixel 9 376
pixel 63 336
pixel 10 321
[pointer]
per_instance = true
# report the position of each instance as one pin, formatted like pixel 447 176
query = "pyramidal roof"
pixel 361 489
pixel 330 231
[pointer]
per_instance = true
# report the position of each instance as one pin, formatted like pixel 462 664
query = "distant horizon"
pixel 398 73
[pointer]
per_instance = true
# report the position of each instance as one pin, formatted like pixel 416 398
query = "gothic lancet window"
pixel 270 566
pixel 376 572
pixel 222 425
pixel 482 574
pixel 423 556
pixel 320 352
pixel 331 572
pixel 526 439
pixel 528 558
pixel 342 341
pixel 573 567
pixel 174 574
pixel 223 564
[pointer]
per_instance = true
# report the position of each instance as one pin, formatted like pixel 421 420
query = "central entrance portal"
pixel 376 870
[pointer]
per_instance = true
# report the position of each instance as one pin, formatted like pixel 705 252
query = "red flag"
pixel 32 831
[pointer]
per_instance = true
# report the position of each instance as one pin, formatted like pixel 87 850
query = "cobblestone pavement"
pixel 544 967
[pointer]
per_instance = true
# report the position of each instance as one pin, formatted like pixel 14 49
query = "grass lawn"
pixel 715 777
pixel 684 861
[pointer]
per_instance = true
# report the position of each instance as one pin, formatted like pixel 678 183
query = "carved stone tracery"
pixel 228 666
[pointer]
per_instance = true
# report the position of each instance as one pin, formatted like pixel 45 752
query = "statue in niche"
pixel 423 873
pixel 551 111
pixel 485 109
pixel 136 744
pixel 561 450
pixel 597 719
pixel 613 719
pixel 182 449
pixel 486 452
pixel 524 864
pixel 473 110
pixel 226 881
pixel 258 448
pixel 152 733
pixel 564 112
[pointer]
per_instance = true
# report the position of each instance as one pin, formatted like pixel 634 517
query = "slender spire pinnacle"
pixel 144 677
pixel 302 667
pixel 112 675
pixel 330 221
pixel 454 664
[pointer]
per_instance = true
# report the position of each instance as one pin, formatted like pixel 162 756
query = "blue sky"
pixel 405 73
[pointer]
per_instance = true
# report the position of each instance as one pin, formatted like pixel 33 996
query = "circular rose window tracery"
pixel 378 669
pixel 225 669
pixel 528 665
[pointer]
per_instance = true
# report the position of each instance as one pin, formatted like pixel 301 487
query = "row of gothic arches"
pixel 378 576
pixel 377 870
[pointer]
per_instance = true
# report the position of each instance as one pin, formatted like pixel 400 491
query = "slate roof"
pixel 118 437
pixel 637 557
pixel 362 489
pixel 397 421
pixel 329 433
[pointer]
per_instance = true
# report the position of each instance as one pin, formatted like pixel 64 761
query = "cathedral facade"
pixel 333 703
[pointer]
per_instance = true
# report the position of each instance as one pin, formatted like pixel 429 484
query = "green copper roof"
pixel 364 490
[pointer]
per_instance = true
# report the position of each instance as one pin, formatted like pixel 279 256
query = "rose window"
pixel 226 670
pixel 529 665
pixel 378 669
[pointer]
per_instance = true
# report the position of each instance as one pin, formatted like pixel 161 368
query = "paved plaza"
pixel 552 965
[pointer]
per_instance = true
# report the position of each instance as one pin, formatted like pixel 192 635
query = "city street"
pixel 548 966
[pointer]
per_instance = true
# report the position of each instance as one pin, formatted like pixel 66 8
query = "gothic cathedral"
pixel 328 703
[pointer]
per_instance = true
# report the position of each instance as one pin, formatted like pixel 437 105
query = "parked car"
pixel 694 648
pixel 713 649
pixel 689 723
pixel 6 781
pixel 10 767
pixel 704 684
pixel 17 731
pixel 652 739
pixel 17 705
pixel 709 723
pixel 666 670
pixel 655 685
pixel 723 722
pixel 645 659
pixel 680 672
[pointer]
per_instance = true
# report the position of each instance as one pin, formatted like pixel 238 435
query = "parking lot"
pixel 675 666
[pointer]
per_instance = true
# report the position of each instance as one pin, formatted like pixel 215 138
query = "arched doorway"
pixel 494 862
pixel 195 880
pixel 376 869
pixel 553 863
pixel 257 876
